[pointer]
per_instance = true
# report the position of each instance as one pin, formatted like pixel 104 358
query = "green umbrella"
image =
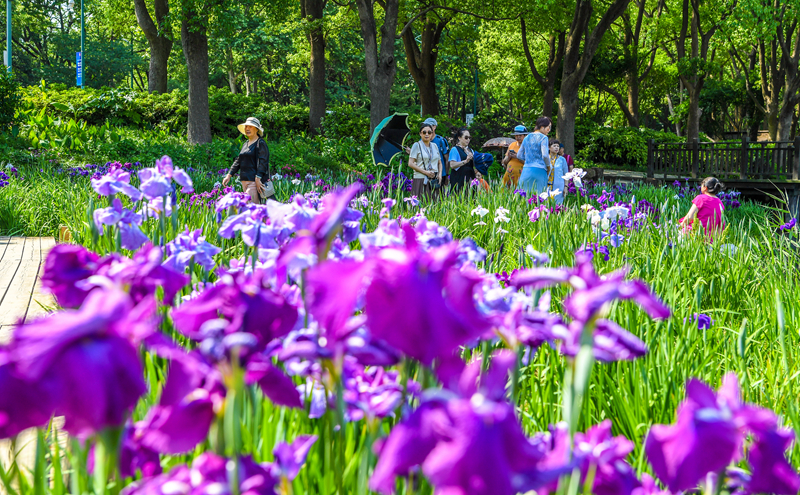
pixel 387 139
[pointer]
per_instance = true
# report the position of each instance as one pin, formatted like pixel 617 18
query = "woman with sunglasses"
pixel 461 166
pixel 426 163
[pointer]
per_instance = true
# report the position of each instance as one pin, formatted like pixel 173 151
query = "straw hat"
pixel 253 122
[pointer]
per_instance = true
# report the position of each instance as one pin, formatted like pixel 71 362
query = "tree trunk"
pixel 633 101
pixel 380 64
pixel 231 71
pixel 313 9
pixel 578 57
pixel 785 120
pixel 422 62
pixel 548 99
pixel 548 80
pixel 567 112
pixel 160 44
pixel 195 48
pixel 693 119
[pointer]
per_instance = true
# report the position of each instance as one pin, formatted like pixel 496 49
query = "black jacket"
pixel 252 162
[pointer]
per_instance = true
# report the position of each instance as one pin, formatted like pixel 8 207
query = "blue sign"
pixel 79 67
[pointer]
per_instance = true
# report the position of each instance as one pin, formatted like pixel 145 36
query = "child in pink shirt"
pixel 707 207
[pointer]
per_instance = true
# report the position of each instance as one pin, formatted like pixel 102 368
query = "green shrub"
pixel 619 147
pixel 346 121
pixel 9 99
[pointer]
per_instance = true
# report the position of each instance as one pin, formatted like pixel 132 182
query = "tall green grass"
pixel 742 290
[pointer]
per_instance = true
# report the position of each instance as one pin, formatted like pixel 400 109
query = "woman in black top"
pixel 462 169
pixel 252 164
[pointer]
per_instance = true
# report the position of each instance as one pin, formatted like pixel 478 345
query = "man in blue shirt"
pixel 444 150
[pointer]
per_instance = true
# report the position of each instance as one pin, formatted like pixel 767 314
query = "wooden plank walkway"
pixel 21 265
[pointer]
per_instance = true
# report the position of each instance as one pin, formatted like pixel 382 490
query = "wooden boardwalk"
pixel 21 266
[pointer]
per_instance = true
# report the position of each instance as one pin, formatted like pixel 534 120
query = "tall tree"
pixel 638 56
pixel 580 49
pixel 546 79
pixel 194 40
pixel 695 65
pixel 380 62
pixel 312 12
pixel 159 37
pixel 421 58
pixel 778 52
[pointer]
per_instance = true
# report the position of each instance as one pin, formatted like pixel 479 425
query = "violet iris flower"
pixel 235 200
pixel 600 452
pixel 190 246
pixel 408 292
pixel 133 456
pixel 209 474
pixel 127 221
pixel 590 293
pixel 471 443
pixel 23 404
pixel 789 225
pixel 144 275
pixel 156 181
pixel 289 458
pixel 87 359
pixel 708 435
pixel 244 305
pixel 183 416
pixel 115 181
pixel 65 267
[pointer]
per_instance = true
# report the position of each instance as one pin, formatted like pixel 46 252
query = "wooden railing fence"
pixel 773 160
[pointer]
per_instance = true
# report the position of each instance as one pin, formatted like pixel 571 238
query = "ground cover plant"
pixel 349 338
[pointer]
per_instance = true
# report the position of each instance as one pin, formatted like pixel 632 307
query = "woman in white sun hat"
pixel 252 164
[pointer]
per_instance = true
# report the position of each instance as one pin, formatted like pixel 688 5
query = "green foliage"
pixel 625 146
pixel 9 99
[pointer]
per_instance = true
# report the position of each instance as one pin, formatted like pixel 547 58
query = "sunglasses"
pixel 467 137
pixel 426 132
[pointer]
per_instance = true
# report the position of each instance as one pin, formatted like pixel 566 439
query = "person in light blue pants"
pixel 534 152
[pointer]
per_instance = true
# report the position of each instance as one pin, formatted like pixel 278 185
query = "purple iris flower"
pixel 157 206
pixel 115 181
pixel 600 452
pixel 23 404
pixel 335 211
pixel 709 434
pixel 244 305
pixel 289 458
pixel 255 228
pixel 471 443
pixel 234 200
pixel 65 266
pixel 789 225
pixel 704 321
pixel 127 221
pixel 209 474
pixel 181 419
pixel 153 184
pixel 408 291
pixel 190 246
pixel 156 182
pixel 771 472
pixel 611 341
pixel 87 358
pixel 133 456
pixel 144 275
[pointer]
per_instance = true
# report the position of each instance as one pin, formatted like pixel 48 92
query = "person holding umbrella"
pixel 512 164
pixel 252 164
pixel 426 163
